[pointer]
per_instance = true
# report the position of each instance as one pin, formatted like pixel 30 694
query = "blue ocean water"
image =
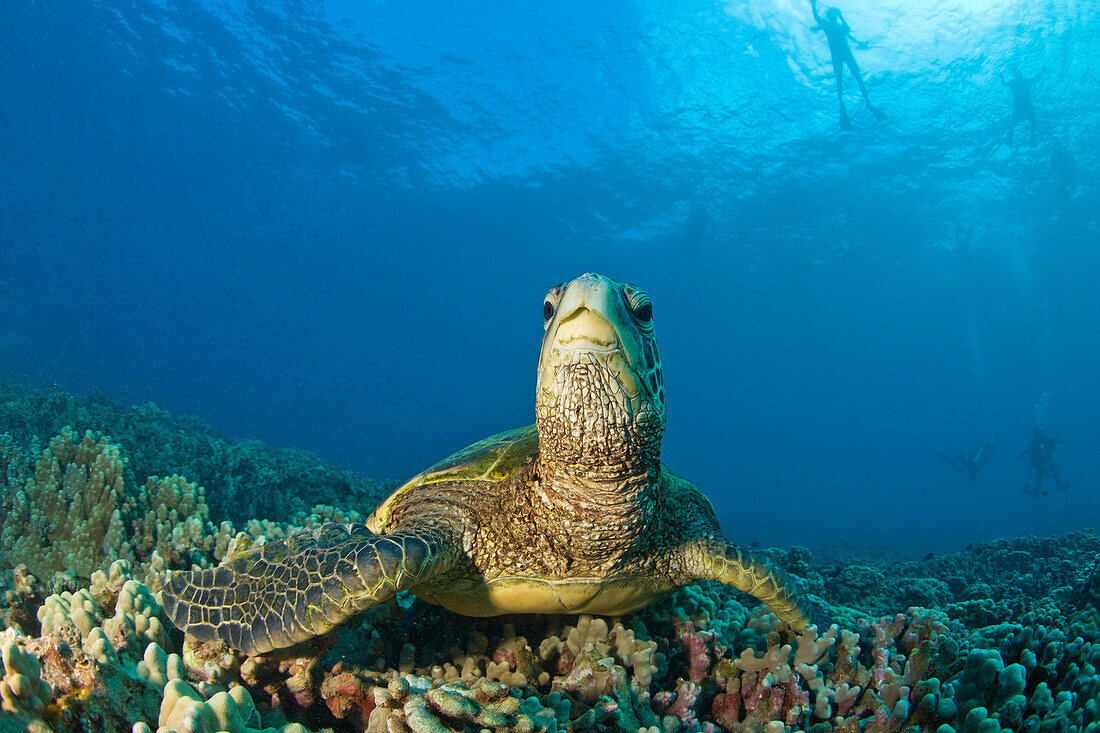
pixel 331 226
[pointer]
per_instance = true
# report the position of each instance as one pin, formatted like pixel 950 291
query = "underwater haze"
pixel 331 226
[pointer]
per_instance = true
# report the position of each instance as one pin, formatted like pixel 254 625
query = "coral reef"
pixel 69 511
pixel 1001 636
pixel 244 480
pixel 659 670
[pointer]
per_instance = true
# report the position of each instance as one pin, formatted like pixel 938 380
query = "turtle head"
pixel 600 397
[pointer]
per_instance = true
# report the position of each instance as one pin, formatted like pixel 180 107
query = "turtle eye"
pixel 550 305
pixel 641 307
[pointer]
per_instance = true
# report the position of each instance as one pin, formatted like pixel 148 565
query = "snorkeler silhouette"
pixel 972 462
pixel 1040 451
pixel 1022 107
pixel 838 32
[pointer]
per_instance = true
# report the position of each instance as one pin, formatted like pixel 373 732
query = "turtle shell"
pixel 493 459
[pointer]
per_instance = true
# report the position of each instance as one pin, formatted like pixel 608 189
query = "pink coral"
pixel 784 700
pixel 725 708
pixel 348 696
pixel 684 699
pixel 697 646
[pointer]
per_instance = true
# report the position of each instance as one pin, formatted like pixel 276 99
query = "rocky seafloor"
pixel 97 501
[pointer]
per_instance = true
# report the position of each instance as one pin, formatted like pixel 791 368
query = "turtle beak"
pixel 589 325
pixel 584 316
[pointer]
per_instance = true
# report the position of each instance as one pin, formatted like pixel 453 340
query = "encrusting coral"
pixel 1012 642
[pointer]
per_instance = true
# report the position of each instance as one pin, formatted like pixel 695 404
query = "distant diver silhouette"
pixel 1040 451
pixel 972 462
pixel 838 32
pixel 1022 107
pixel 963 247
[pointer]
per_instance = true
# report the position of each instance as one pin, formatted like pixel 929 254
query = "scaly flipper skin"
pixel 731 565
pixel 288 591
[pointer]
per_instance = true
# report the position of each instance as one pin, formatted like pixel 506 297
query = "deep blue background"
pixel 331 227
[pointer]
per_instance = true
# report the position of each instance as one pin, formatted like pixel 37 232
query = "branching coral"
pixel 169 517
pixel 65 515
pixel 772 685
pixel 591 638
pixel 75 513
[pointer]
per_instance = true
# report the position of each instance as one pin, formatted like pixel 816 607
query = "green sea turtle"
pixel 575 514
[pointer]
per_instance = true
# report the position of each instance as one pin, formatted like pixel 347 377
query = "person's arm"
pixel 817 16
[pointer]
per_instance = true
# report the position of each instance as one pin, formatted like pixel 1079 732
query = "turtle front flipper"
pixel 291 590
pixel 729 564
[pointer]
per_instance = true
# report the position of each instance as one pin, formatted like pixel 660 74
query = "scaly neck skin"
pixel 596 489
pixel 595 519
pixel 598 467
